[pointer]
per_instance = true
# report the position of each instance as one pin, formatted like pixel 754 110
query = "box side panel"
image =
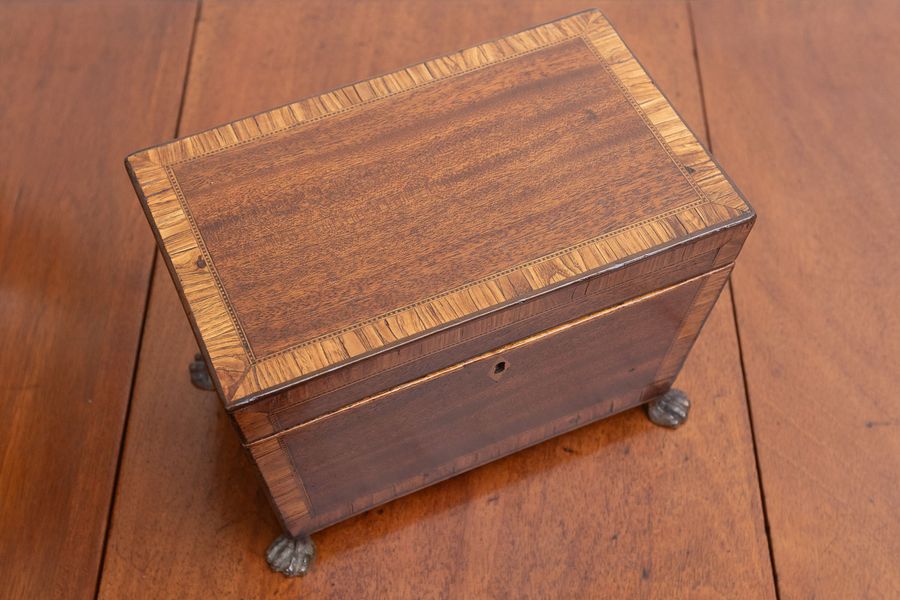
pixel 441 349
pixel 401 440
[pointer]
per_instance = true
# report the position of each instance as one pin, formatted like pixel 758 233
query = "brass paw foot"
pixel 669 410
pixel 199 374
pixel 291 556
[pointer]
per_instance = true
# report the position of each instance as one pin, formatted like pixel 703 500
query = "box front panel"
pixel 392 443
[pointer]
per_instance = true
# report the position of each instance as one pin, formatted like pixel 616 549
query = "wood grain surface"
pixel 465 171
pixel 449 153
pixel 616 509
pixel 802 111
pixel 75 260
pixel 486 407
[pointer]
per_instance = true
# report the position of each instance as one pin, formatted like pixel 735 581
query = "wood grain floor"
pixel 119 479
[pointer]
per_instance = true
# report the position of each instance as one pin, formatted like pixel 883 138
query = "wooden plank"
pixel 802 113
pixel 617 509
pixel 75 260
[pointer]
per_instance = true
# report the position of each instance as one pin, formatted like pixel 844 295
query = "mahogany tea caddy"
pixel 407 277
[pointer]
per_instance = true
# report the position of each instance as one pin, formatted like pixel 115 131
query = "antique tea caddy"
pixel 408 277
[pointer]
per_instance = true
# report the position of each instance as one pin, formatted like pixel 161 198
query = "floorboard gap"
pixel 737 328
pixel 762 491
pixel 140 340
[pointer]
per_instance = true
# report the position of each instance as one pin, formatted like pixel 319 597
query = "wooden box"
pixel 407 277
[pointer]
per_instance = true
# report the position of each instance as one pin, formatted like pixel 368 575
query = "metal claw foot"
pixel 199 373
pixel 291 556
pixel 669 410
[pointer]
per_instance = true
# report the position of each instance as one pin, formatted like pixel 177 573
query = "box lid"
pixel 324 231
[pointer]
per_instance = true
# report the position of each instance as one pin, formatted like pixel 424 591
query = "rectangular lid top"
pixel 340 225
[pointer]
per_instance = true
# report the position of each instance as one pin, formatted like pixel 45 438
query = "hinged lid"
pixel 335 227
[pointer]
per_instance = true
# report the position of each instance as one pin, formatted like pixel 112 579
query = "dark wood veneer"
pixel 442 426
pixel 455 419
pixel 488 170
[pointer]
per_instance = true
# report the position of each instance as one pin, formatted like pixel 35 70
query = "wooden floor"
pixel 785 483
